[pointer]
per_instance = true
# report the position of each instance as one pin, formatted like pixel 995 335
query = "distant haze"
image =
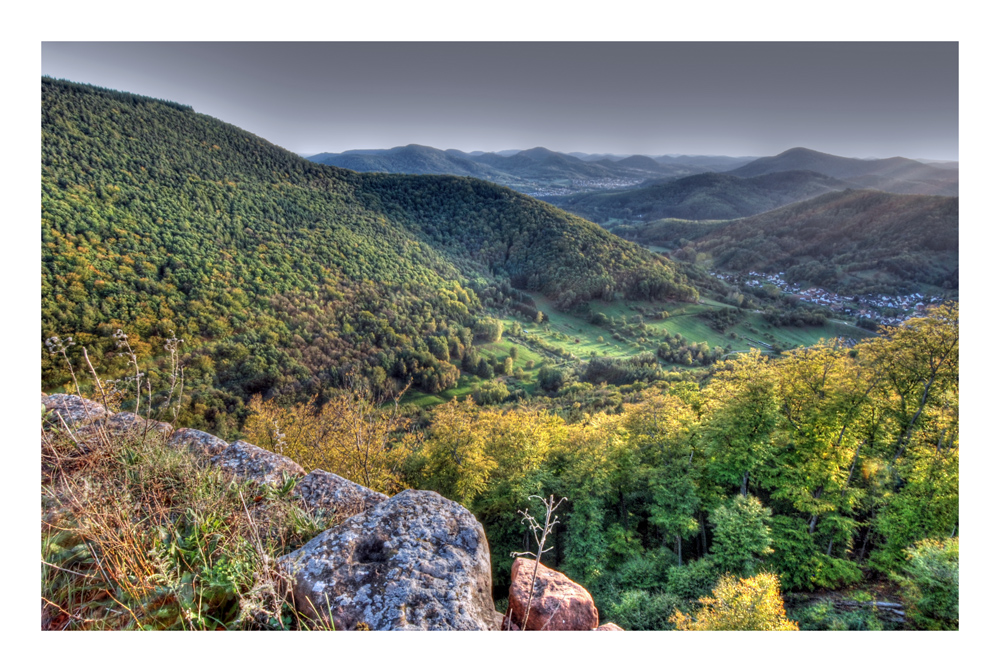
pixel 738 99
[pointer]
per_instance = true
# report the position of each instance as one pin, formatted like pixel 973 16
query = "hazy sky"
pixel 858 99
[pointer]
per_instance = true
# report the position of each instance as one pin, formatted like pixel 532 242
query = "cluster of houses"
pixel 537 189
pixel 605 183
pixel 904 306
pixel 886 310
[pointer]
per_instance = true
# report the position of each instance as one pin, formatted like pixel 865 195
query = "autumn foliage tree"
pixel 739 604
pixel 356 435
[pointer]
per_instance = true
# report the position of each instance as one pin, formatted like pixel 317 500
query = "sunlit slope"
pixel 848 240
pixel 281 274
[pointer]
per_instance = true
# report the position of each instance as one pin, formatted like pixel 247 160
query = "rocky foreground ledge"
pixel 414 561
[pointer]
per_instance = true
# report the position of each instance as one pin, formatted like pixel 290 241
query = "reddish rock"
pixel 557 602
pixel 609 626
pixel 507 625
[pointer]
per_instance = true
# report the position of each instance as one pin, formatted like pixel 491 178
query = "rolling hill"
pixel 897 175
pixel 412 160
pixel 536 171
pixel 280 275
pixel 852 241
pixel 706 196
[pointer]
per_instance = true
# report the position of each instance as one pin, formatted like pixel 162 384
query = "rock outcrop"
pixel 75 411
pixel 199 443
pixel 252 463
pixel 610 627
pixel 128 426
pixel 125 423
pixel 417 561
pixel 324 494
pixel 557 603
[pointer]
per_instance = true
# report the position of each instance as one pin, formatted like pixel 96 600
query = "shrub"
pixel 739 604
pixel 490 392
pixel 930 583
pixel 642 610
pixel 693 580
pixel 822 615
pixel 551 378
pixel 642 572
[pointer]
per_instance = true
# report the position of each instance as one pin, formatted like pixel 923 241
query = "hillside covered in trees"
pixel 897 174
pixel 280 276
pixel 824 467
pixel 705 196
pixel 851 241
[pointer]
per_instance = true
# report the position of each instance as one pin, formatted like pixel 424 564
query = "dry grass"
pixel 136 535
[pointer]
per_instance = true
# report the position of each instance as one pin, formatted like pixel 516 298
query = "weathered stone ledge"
pixel 414 561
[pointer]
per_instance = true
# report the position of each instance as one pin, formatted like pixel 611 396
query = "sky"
pixel 859 99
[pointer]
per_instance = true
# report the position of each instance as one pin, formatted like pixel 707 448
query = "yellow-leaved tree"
pixel 356 435
pixel 481 452
pixel 739 604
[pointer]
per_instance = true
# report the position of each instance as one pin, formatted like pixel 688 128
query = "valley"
pixel 741 373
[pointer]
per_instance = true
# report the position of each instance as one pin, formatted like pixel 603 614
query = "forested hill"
pixel 705 196
pixel 897 174
pixel 855 240
pixel 279 274
pixel 535 245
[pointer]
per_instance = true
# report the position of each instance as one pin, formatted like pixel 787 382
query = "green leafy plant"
pixel 930 582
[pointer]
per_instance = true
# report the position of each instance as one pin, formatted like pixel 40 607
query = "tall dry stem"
pixel 540 532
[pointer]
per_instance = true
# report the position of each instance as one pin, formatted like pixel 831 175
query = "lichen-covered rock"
pixel 252 463
pixel 417 561
pixel 75 411
pixel 201 444
pixel 609 627
pixel 126 423
pixel 557 602
pixel 326 494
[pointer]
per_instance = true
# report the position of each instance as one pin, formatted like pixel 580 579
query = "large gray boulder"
pixel 248 462
pixel 325 494
pixel 202 444
pixel 75 411
pixel 130 424
pixel 417 561
pixel 125 426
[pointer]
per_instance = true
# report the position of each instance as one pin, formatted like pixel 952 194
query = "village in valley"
pixel 559 188
pixel 880 308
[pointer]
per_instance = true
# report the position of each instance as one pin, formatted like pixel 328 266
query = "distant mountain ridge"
pixel 705 196
pixel 536 171
pixel 547 174
pixel 896 174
